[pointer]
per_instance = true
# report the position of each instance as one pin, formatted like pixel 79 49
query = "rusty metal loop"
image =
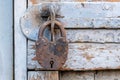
pixel 52 16
pixel 47 23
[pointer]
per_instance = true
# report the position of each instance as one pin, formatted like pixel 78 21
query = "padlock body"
pixel 47 51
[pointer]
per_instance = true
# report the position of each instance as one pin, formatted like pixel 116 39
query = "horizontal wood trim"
pixel 33 2
pixel 92 35
pixel 74 15
pixel 75 75
pixel 108 75
pixel 84 56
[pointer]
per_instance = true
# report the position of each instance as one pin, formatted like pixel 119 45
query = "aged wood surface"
pixel 85 56
pixel 77 75
pixel 92 35
pixel 20 42
pixel 33 2
pixel 91 0
pixel 108 75
pixel 43 75
pixel 87 35
pixel 74 15
pixel 6 40
pixel 107 37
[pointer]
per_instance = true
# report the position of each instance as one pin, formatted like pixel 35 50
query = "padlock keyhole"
pixel 51 64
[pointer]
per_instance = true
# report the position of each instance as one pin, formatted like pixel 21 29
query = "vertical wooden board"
pixel 43 75
pixel 20 42
pixel 6 40
pixel 77 76
pixel 107 75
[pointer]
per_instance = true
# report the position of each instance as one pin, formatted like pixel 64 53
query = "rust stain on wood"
pixel 88 56
pixel 107 0
pixel 80 0
pixel 34 1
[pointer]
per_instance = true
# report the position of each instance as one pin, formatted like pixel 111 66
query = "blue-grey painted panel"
pixel 6 40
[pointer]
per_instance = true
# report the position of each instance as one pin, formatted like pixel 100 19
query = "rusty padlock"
pixel 51 55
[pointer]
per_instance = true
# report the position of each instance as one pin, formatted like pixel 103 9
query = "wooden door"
pixel 102 39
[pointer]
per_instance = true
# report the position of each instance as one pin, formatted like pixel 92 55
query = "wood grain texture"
pixel 85 35
pixel 75 15
pixel 43 75
pixel 33 2
pixel 77 75
pixel 20 42
pixel 108 75
pixel 91 0
pixel 90 35
pixel 85 56
pixel 6 40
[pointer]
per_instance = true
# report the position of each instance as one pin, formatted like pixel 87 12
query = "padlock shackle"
pixel 47 23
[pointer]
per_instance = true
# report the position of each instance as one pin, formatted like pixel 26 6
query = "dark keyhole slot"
pixel 51 64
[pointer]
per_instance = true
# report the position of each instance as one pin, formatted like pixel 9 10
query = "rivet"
pixel 26 31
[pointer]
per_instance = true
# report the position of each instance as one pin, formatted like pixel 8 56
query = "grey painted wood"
pixel 34 2
pixel 71 75
pixel 43 75
pixel 20 42
pixel 85 56
pixel 86 35
pixel 108 75
pixel 75 15
pixel 6 40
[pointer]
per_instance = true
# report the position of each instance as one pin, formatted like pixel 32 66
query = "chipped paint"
pixel 105 16
pixel 85 56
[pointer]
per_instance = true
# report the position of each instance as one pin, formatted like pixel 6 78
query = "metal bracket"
pixel 72 15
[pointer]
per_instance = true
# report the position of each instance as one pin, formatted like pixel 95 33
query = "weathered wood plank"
pixel 33 2
pixel 106 15
pixel 85 56
pixel 77 15
pixel 91 0
pixel 20 42
pixel 107 75
pixel 77 75
pixel 90 35
pixel 6 40
pixel 43 75
pixel 86 35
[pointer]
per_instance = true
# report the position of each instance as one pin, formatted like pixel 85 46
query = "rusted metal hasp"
pixel 72 15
